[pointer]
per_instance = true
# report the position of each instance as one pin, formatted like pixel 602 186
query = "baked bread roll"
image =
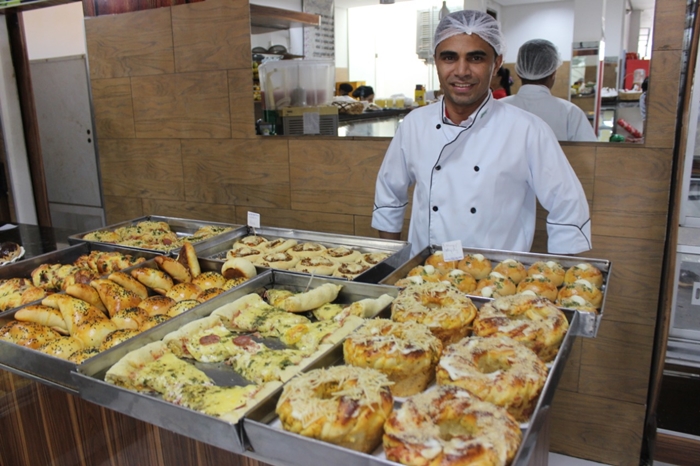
pixel 427 272
pixel 158 304
pixel 155 279
pixel 246 252
pixel 495 286
pixel 183 291
pixel 343 254
pixel 318 265
pixel 238 268
pixel 582 288
pixel 129 283
pixel 116 337
pixel 232 283
pixel 88 294
pixel 129 319
pixel 461 280
pixel 441 307
pixel 437 260
pixel 206 295
pixel 532 321
pixel 182 306
pixel 209 279
pixel 307 250
pixel 408 281
pixel 29 334
pixel 449 426
pixel 373 258
pixel 406 352
pixel 350 270
pixel 342 405
pixel 538 285
pixel 577 303
pixel 252 241
pixel 512 269
pixel 175 269
pixel 43 315
pixel 83 355
pixel 188 258
pixel 62 347
pixel 476 265
pixel 305 301
pixel 585 271
pixel 278 260
pixel 496 369
pixel 114 297
pixel 550 269
pixel 151 321
pixel 277 245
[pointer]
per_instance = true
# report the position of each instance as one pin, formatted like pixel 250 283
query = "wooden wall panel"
pixel 115 51
pixel 241 105
pixel 186 105
pixel 335 176
pixel 299 219
pixel 212 35
pixel 571 376
pixel 579 157
pixel 616 363
pixel 234 172
pixel 112 108
pixel 669 25
pixel 664 77
pixel 119 208
pixel 598 429
pixel 214 212
pixel 143 168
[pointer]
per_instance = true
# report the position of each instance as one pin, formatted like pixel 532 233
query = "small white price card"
pixel 253 219
pixel 452 251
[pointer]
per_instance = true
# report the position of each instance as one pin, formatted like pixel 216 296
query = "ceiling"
pixel 635 4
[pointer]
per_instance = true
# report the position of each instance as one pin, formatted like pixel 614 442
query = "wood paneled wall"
pixel 174 113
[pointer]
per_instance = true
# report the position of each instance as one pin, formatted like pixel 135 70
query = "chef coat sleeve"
pixel 391 192
pixel 579 128
pixel 560 192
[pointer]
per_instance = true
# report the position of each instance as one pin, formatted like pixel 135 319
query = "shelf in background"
pixel 14 7
pixel 267 19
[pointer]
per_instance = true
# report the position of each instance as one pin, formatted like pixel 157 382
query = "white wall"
pixel 57 31
pixel 552 21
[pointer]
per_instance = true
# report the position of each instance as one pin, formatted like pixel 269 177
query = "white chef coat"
pixel 567 121
pixel 478 182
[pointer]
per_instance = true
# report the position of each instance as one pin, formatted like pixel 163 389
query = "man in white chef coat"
pixel 536 65
pixel 478 165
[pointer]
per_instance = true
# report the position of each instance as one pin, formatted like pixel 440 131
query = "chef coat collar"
pixel 479 112
pixel 534 90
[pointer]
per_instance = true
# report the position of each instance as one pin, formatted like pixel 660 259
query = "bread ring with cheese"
pixel 550 269
pixel 515 270
pixel 343 254
pixel 532 321
pixel 582 288
pixel 406 352
pixel 494 286
pixel 437 260
pixel 449 426
pixel 342 405
pixel 318 265
pixel 445 310
pixel 539 285
pixel 475 264
pixel 586 271
pixel 496 369
pixel 307 250
pixel 461 280
pixel 278 260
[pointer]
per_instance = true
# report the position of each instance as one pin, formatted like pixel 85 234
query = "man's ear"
pixel 497 64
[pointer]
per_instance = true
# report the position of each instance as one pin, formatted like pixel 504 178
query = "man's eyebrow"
pixel 475 53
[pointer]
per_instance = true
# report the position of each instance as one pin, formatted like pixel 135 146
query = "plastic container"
pixel 297 83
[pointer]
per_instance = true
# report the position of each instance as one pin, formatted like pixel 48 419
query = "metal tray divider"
pixel 588 322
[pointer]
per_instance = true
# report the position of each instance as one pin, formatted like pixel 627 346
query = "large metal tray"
pixel 90 375
pixel 181 226
pixel 588 322
pixel 54 371
pixel 268 440
pixel 400 250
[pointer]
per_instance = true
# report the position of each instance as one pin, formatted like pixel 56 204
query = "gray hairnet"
pixel 537 59
pixel 471 22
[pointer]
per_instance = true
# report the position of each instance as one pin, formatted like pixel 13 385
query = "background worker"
pixel 470 182
pixel 536 65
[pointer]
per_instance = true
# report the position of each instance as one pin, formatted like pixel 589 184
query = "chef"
pixel 536 65
pixel 477 165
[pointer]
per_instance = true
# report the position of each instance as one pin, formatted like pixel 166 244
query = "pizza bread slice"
pixel 205 340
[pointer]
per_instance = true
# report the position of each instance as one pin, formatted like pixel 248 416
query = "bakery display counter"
pixel 588 321
pixel 90 376
pixel 155 233
pixel 397 252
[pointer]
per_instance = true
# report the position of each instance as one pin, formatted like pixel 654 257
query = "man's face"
pixel 465 65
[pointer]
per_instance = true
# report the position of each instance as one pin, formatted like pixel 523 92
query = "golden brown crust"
pixel 495 285
pixel 496 369
pixel 155 305
pixel 277 245
pixel 475 264
pixel 584 271
pixel 155 279
pixel 238 267
pixel 307 250
pixel 427 272
pixel 444 309
pixel 254 255
pixel 179 272
pixel 88 294
pixel 539 285
pixel 129 319
pixel 209 279
pixel 62 347
pixel 129 283
pixel 115 297
pixel 350 270
pixel 318 265
pixel 512 269
pixel 406 352
pixel 183 291
pixel 461 280
pixel 43 315
pixel 252 241
pixel 29 334
pixel 532 321
pixel 278 260
pixel 448 426
pixel 343 405
pixel 551 269
pixel 188 258
pixel 582 288
pixel 437 260
pixel 343 254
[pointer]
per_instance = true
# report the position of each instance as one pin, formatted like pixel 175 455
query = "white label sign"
pixel 253 219
pixel 452 251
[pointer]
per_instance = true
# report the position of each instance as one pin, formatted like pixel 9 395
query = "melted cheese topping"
pixel 213 400
pixel 265 365
pixel 213 352
pixel 167 374
pixel 433 304
pixel 384 335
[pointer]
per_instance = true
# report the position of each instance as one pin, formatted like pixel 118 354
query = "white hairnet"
pixel 537 59
pixel 471 22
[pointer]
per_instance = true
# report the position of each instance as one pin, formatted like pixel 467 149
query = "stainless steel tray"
pixel 181 226
pixel 54 371
pixel 90 375
pixel 400 250
pixel 588 322
pixel 268 440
